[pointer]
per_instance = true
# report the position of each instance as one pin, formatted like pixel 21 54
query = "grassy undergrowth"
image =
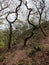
pixel 36 37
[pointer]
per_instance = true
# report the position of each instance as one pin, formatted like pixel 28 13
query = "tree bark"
pixel 26 39
pixel 10 36
pixel 41 26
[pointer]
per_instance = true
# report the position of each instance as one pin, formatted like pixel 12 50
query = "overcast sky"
pixel 22 14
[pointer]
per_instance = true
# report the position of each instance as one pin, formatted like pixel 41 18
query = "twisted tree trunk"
pixel 25 40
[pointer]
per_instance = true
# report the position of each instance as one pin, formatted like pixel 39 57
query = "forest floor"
pixel 20 55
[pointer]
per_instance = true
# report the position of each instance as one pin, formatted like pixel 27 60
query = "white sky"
pixel 23 14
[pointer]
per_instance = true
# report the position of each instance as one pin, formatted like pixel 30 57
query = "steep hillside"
pixel 36 52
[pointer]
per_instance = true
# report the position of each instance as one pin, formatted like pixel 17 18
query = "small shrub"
pixel 13 55
pixel 13 64
pixel 21 62
pixel 2 58
pixel 32 52
pixel 38 47
pixel 1 44
pixel 29 63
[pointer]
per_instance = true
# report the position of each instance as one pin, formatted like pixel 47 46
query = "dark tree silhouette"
pixel 10 23
pixel 40 12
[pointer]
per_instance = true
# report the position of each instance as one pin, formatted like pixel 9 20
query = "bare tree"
pixel 40 11
pixel 34 26
pixel 10 22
